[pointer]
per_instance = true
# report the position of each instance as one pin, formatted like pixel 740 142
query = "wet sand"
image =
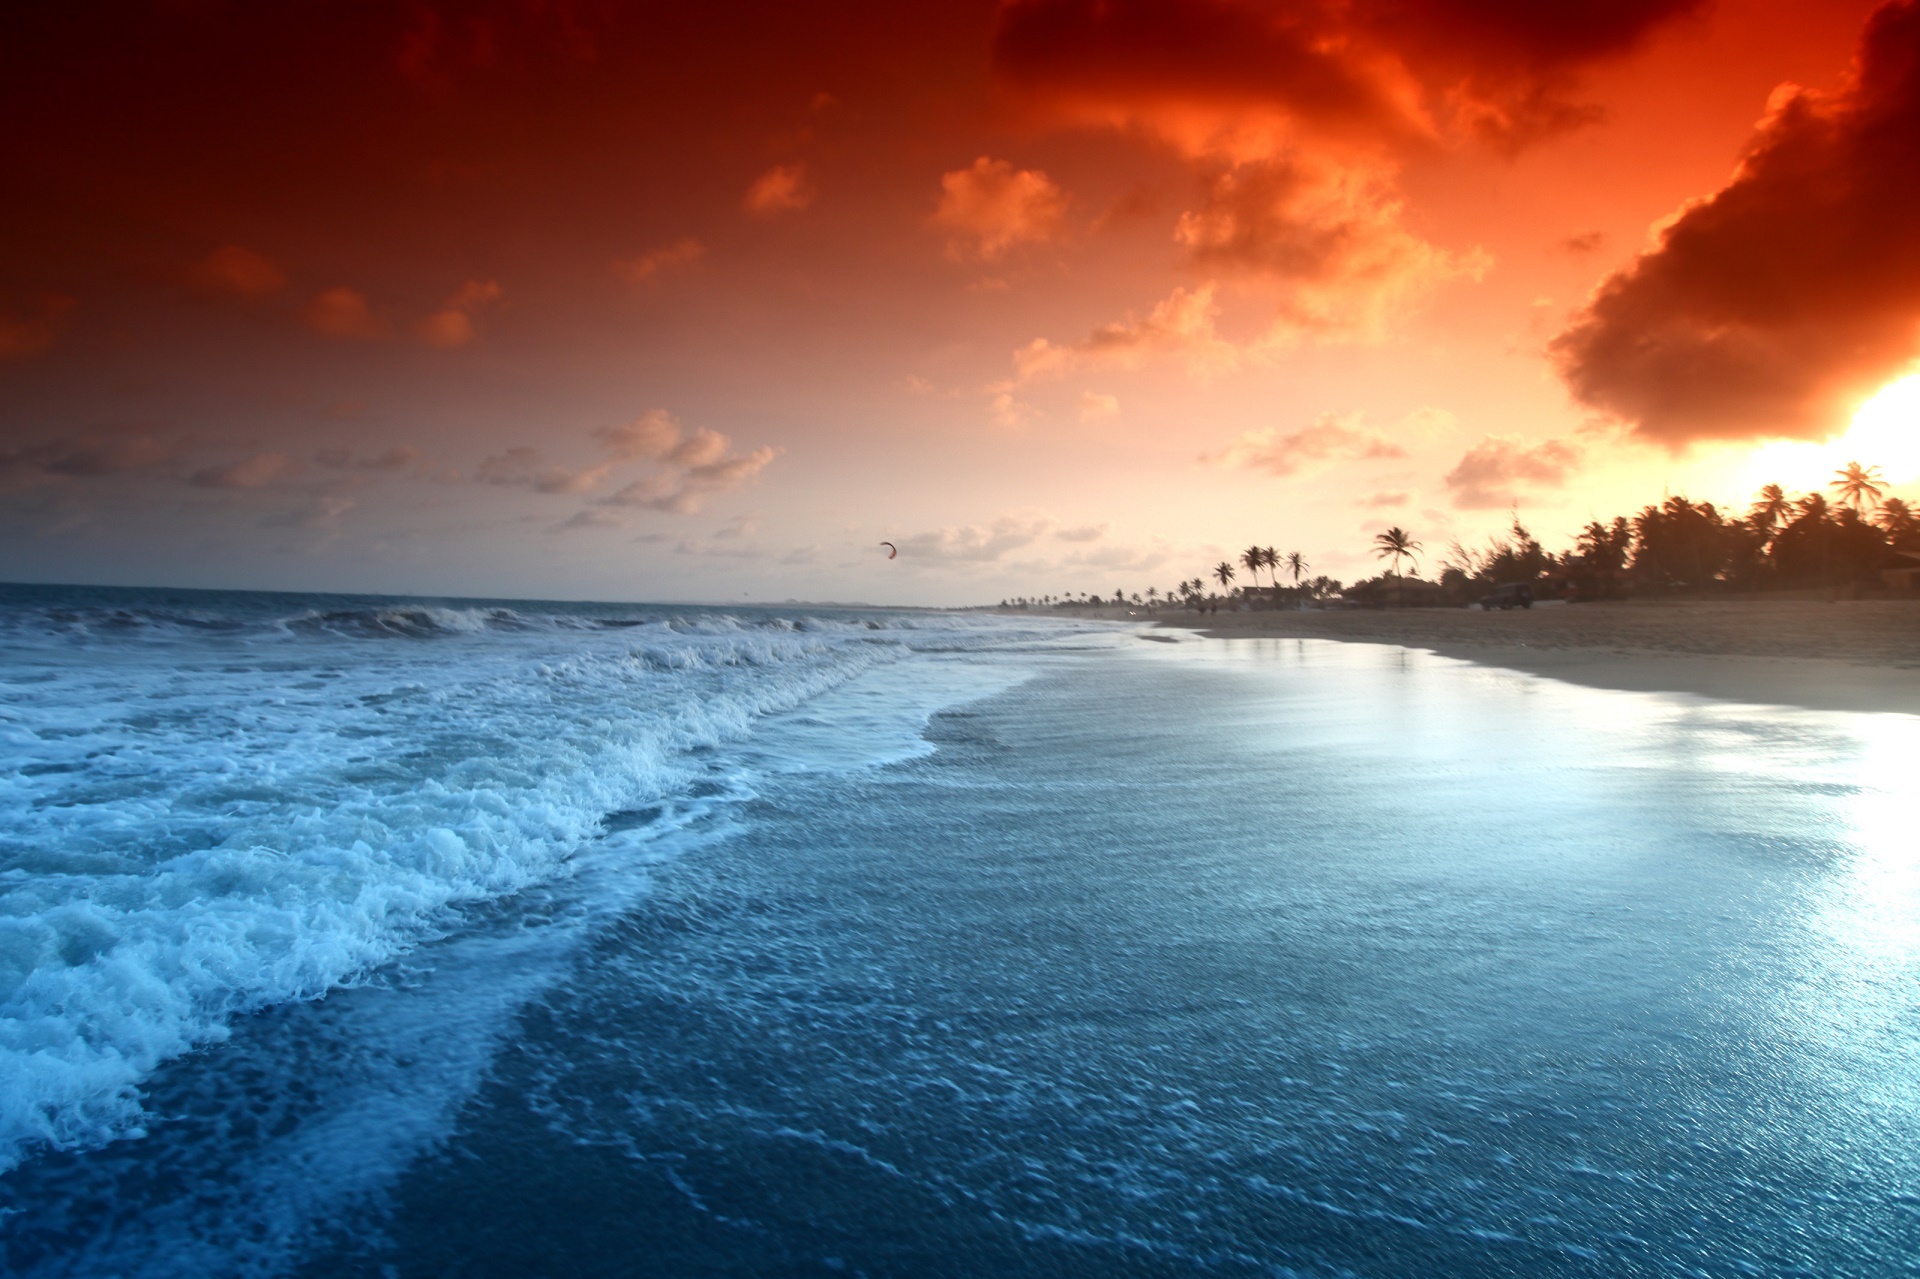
pixel 1855 655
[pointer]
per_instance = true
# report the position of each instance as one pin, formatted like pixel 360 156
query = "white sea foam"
pixel 208 810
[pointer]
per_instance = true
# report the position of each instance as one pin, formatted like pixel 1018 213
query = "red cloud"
pixel 1378 72
pixel 239 271
pixel 452 324
pixel 342 312
pixel 1767 308
pixel 782 189
pixel 994 207
pixel 641 269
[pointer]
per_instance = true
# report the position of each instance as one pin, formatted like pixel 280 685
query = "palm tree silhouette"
pixel 1769 509
pixel 1395 544
pixel 1296 565
pixel 1255 559
pixel 1896 519
pixel 1224 571
pixel 1272 560
pixel 1858 486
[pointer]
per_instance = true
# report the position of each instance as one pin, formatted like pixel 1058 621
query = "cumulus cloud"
pixel 452 325
pixel 1299 115
pixel 690 466
pixel 1494 471
pixel 1581 243
pixel 654 433
pixel 254 472
pixel 21 336
pixel 642 268
pixel 694 466
pixel 989 207
pixel 1377 501
pixel 240 272
pixel 1769 307
pixel 524 467
pixel 974 544
pixel 341 312
pixel 1182 324
pixel 1332 437
pixel 1329 236
pixel 1084 533
pixel 782 189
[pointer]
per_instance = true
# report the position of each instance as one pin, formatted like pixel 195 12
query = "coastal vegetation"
pixel 1810 542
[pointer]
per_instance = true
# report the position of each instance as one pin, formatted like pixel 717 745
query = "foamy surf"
pixel 217 803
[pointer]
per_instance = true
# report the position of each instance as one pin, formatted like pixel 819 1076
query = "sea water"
pixel 364 937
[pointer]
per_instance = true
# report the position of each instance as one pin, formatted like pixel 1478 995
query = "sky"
pixel 577 299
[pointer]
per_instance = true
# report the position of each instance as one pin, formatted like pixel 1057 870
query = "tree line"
pixel 1779 542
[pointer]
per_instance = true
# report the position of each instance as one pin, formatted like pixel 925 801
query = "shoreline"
pixel 1856 656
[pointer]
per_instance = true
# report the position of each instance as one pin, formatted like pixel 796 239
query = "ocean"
pixel 365 937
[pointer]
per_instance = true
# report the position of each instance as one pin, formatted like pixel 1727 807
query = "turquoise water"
pixel 909 945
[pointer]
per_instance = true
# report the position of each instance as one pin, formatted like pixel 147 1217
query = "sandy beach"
pixel 1858 655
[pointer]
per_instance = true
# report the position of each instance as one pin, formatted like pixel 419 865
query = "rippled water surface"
pixel 348 938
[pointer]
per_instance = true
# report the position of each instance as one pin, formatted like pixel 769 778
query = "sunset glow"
pixel 629 300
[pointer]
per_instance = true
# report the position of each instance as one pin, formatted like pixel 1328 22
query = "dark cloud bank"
pixel 1769 307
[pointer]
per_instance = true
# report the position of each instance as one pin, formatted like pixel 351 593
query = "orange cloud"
pixel 1332 437
pixel 990 207
pixel 1182 324
pixel 782 189
pixel 240 272
pixel 1770 307
pixel 1329 236
pixel 642 269
pixel 341 312
pixel 452 325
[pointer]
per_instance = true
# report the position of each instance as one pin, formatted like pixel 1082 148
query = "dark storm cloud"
pixel 1766 308
pixel 1372 68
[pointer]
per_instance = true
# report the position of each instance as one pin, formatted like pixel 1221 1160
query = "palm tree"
pixel 1224 571
pixel 1255 559
pixel 1395 544
pixel 1859 486
pixel 1770 507
pixel 1296 565
pixel 1272 559
pixel 1897 520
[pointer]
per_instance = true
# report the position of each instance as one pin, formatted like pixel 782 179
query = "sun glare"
pixel 1885 433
